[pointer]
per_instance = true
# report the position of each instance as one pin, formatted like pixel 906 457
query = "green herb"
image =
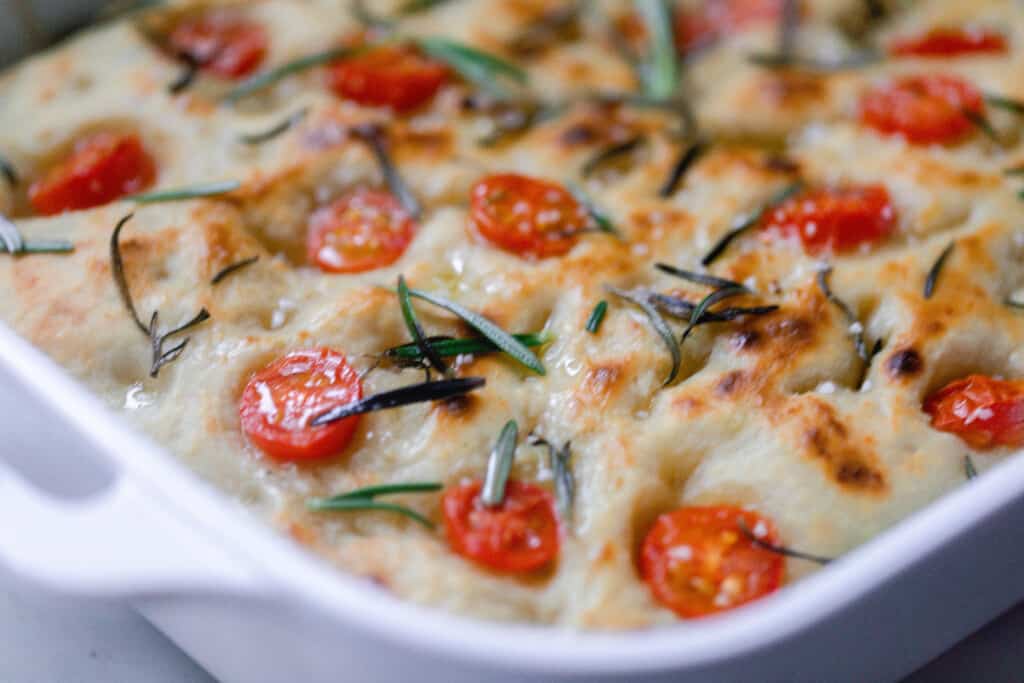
pixel 857 330
pixel 482 69
pixel 233 268
pixel 369 19
pixel 1012 303
pixel 661 71
pixel 789 23
pixel 185 193
pixel 599 217
pixel 1000 102
pixel 156 338
pixel 659 325
pixel 415 393
pixel 970 471
pixel 560 462
pixel 552 26
pixel 374 136
pixel 447 347
pixel 1018 170
pixel 8 172
pixel 609 154
pixel 597 317
pixel 190 70
pixel 857 60
pixel 747 222
pixel 709 301
pixel 268 78
pixel 691 153
pixel 778 549
pixel 276 130
pixel 413 325
pixel 683 309
pixel 499 337
pixel 499 466
pixel 414 6
pixel 13 243
pixel 364 499
pixel 979 121
pixel 933 272
pixel 700 278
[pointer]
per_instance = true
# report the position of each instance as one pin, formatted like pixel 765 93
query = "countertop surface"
pixel 46 639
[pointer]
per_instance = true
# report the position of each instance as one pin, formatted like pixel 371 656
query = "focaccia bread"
pixel 844 170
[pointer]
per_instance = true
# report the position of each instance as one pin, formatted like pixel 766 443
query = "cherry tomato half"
pixel 100 169
pixel 950 42
pixel 280 400
pixel 698 562
pixel 714 20
pixel 526 216
pixel 923 109
pixel 834 219
pixel 388 76
pixel 983 411
pixel 520 535
pixel 363 230
pixel 221 43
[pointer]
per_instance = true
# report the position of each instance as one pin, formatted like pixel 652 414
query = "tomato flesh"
pixel 526 216
pixel 364 230
pixel 718 19
pixel 520 535
pixel 279 402
pixel 923 109
pixel 698 562
pixel 836 219
pixel 389 76
pixel 983 411
pixel 221 43
pixel 950 42
pixel 101 168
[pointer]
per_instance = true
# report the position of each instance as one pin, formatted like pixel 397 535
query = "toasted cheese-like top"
pixel 776 412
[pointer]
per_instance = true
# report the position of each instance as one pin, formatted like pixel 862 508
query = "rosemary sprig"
pixel 597 317
pixel 981 122
pixel 659 325
pixel 683 309
pixel 789 24
pixel 857 330
pixel 856 60
pixel 375 137
pixel 414 393
pixel 699 278
pixel 933 272
pixel 189 73
pixel 547 29
pixel 185 193
pixel 415 6
pixel 610 153
pixel 413 325
pixel 1011 105
pixel 276 130
pixel 661 70
pixel 600 219
pixel 268 78
pixel 691 153
pixel 11 242
pixel 560 462
pixel 233 268
pixel 499 466
pixel 780 550
pixel 970 471
pixel 8 171
pixel 447 347
pixel 364 499
pixel 747 222
pixel 707 302
pixel 484 70
pixel 156 338
pixel 499 337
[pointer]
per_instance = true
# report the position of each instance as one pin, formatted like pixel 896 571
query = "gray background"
pixel 46 639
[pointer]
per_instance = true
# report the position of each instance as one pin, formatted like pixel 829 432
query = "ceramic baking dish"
pixel 92 508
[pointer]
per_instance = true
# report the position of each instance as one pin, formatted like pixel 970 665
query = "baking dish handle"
pixel 113 544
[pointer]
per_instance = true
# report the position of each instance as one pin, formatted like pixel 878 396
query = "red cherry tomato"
pixel 100 169
pixel 221 43
pixel 698 562
pixel 280 400
pixel 923 109
pixel 950 42
pixel 363 230
pixel 834 219
pixel 983 411
pixel 520 535
pixel 526 216
pixel 388 76
pixel 717 19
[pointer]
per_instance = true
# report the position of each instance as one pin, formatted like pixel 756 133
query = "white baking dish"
pixel 89 507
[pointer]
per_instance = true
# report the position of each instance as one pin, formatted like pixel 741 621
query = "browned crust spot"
pixel 847 459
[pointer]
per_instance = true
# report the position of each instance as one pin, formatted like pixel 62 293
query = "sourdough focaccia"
pixel 637 310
